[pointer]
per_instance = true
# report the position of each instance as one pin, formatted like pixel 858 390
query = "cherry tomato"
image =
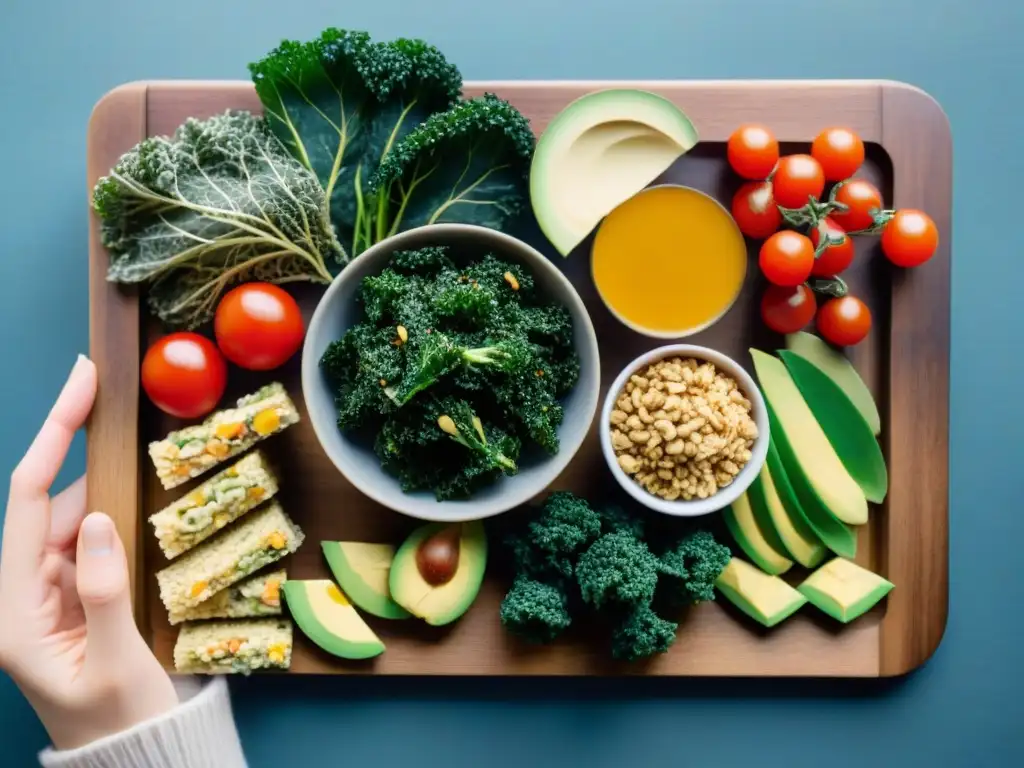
pixel 184 375
pixel 863 199
pixel 845 321
pixel 835 258
pixel 840 152
pixel 258 326
pixel 797 178
pixel 752 151
pixel 755 211
pixel 787 309
pixel 909 238
pixel 787 258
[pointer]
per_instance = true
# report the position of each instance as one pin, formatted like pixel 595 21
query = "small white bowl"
pixel 731 492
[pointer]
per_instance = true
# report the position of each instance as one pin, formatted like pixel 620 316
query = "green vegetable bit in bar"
pixel 254 597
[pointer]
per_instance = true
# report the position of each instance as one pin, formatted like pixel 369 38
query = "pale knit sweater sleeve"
pixel 198 733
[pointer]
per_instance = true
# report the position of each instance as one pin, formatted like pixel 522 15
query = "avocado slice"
pixel 795 536
pixel 750 535
pixel 843 425
pixel 844 590
pixel 362 571
pixel 837 367
pixel 325 615
pixel 597 153
pixel 437 571
pixel 766 599
pixel 811 463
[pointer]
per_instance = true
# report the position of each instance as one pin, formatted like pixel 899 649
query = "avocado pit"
pixel 437 557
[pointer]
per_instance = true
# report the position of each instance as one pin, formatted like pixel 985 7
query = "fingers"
pixel 103 589
pixel 67 509
pixel 27 524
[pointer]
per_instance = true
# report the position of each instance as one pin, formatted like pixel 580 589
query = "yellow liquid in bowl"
pixel 669 261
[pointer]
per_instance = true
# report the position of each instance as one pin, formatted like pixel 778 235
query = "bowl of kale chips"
pixel 451 372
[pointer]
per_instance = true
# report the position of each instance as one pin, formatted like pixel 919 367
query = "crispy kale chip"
pixel 218 203
pixel 535 611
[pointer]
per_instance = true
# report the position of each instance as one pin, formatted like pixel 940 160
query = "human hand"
pixel 67 636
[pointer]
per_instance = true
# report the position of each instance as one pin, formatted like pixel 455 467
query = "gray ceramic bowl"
pixel 337 311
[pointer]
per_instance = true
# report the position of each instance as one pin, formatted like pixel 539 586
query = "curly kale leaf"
pixel 341 104
pixel 218 203
pixel 535 611
pixel 360 366
pixel 690 568
pixel 641 634
pixel 617 570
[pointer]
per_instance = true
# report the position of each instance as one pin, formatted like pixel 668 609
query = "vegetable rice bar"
pixel 220 500
pixel 263 537
pixel 189 452
pixel 224 647
pixel 254 597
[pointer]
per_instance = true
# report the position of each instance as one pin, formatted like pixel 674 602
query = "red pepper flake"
pixel 539 372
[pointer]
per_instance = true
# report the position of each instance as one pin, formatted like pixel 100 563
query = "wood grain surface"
pixel 905 362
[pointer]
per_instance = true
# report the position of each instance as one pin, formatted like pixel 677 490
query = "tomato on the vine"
pixel 787 309
pixel 786 258
pixel 862 200
pixel 840 152
pixel 845 321
pixel 184 375
pixel 909 238
pixel 755 211
pixel 752 151
pixel 837 256
pixel 797 178
pixel 258 326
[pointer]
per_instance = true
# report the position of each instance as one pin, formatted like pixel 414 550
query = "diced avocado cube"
pixel 844 590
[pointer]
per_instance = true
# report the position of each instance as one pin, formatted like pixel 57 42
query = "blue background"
pixel 58 58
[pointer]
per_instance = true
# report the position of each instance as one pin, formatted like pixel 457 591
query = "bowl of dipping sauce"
pixel 669 262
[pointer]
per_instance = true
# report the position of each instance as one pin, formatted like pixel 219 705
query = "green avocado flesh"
pixel 766 599
pixel 836 535
pixel 844 590
pixel 834 364
pixel 795 536
pixel 813 467
pixel 750 535
pixel 362 572
pixel 440 604
pixel 844 426
pixel 597 153
pixel 326 617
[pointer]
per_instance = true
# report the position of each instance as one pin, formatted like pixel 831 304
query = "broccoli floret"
pixel 618 570
pixel 689 569
pixel 425 262
pixel 641 634
pixel 535 611
pixel 615 519
pixel 553 540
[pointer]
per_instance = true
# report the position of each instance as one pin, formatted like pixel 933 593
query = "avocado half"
pixel 362 571
pixel 325 616
pixel 440 603
pixel 597 153
pixel 766 599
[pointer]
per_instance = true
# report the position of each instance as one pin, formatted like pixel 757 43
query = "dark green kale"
pixel 425 262
pixel 641 634
pixel 535 611
pixel 617 570
pixel 551 544
pixel 689 569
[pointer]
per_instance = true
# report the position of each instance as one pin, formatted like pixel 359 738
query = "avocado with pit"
pixel 597 153
pixel 750 535
pixel 362 572
pixel 766 599
pixel 843 425
pixel 836 535
pixel 438 570
pixel 325 615
pixel 813 467
pixel 837 367
pixel 844 590
pixel 796 537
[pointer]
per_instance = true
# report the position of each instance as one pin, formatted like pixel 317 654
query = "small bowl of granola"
pixel 684 429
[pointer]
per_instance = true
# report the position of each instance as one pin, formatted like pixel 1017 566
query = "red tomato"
pixel 845 321
pixel 258 326
pixel 755 211
pixel 752 151
pixel 862 199
pixel 910 238
pixel 787 258
pixel 787 309
pixel 840 152
pixel 835 258
pixel 797 178
pixel 184 375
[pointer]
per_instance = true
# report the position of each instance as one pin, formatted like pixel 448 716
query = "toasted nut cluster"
pixel 682 429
